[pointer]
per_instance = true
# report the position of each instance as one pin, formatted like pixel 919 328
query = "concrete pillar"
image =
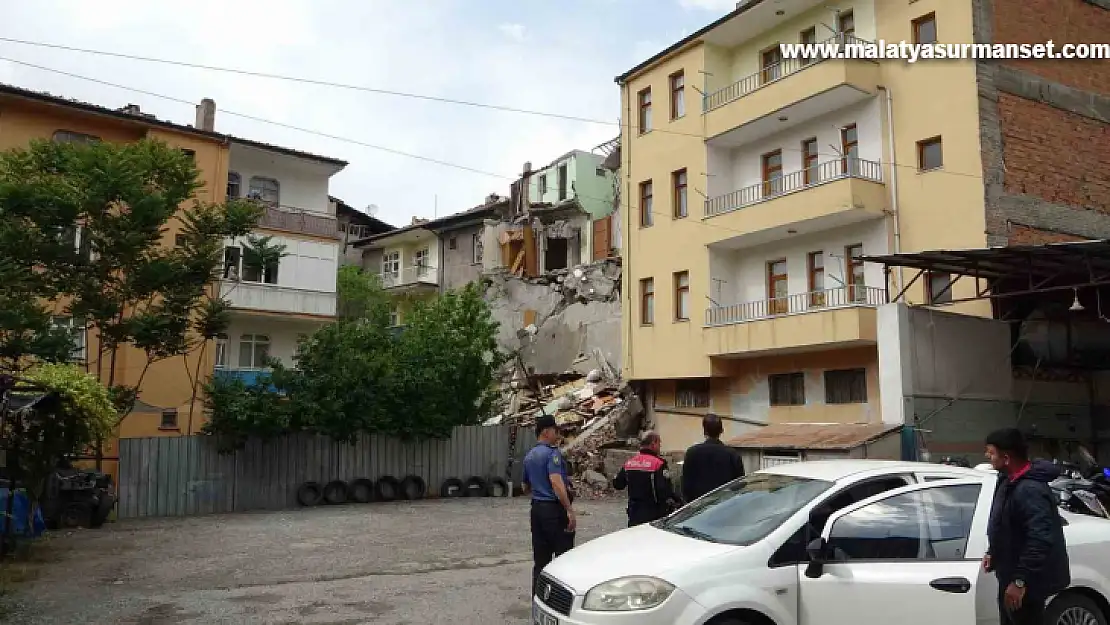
pixel 896 363
pixel 206 115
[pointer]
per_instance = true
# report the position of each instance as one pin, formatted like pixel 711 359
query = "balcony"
pixel 773 98
pixel 410 277
pixel 249 377
pixel 277 299
pixel 837 317
pixel 299 220
pixel 828 195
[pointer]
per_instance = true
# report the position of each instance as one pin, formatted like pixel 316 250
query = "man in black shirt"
pixel 711 463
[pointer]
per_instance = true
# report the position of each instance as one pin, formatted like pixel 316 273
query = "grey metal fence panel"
pixel 183 476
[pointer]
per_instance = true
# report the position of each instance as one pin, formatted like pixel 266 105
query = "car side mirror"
pixel 816 550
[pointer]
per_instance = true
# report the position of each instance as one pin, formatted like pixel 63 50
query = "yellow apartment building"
pixel 755 183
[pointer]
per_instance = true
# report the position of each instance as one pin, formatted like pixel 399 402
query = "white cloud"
pixel 708 5
pixel 513 31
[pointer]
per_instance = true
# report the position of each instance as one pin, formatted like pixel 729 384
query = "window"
pixel 846 24
pixel 772 173
pixel 815 262
pixel 221 350
pixel 645 204
pixel 391 265
pixel 232 257
pixel 254 351
pixel 394 317
pixel 645 110
pixel 599 171
pixel 810 158
pixel 849 148
pixel 846 386
pixel 809 36
pixel 543 185
pixel 930 155
pixel 787 389
pixel 857 287
pixel 939 288
pixel 453 243
pixel 561 176
pixel 746 510
pixel 420 260
pixel 770 64
pixel 476 248
pixel 193 155
pixel 68 136
pixel 169 419
pixel 266 189
pixel 925 29
pixel 678 179
pixel 179 240
pixel 647 301
pixel 234 185
pixel 928 524
pixel 77 334
pixel 692 393
pixel 678 95
pixel 682 296
pixel 778 287
pixel 252 272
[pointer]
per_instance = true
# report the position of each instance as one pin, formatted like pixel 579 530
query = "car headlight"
pixel 626 594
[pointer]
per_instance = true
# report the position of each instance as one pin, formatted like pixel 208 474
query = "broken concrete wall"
pixel 558 320
pixel 462 256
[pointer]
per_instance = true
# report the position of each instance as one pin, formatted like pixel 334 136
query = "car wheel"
pixel 1073 609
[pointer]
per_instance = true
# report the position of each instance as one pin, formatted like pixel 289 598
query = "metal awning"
pixel 826 436
pixel 1041 268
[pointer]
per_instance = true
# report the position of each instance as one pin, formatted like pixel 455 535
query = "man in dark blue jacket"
pixel 1025 534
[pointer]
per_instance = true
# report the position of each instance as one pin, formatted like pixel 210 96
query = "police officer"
pixel 553 519
pixel 650 495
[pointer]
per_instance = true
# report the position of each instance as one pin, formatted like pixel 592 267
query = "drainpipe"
pixel 628 286
pixel 893 179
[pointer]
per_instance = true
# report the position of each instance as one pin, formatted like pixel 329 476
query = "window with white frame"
pixel 254 351
pixel 234 185
pixel 420 259
pixel 391 265
pixel 476 248
pixel 77 332
pixel 394 317
pixel 221 350
pixel 266 189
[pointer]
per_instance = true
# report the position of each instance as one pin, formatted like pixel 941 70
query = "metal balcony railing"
pixel 840 297
pixel 775 72
pixel 294 219
pixel 812 176
pixel 420 274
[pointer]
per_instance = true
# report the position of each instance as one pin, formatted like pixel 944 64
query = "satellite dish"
pixel 372 210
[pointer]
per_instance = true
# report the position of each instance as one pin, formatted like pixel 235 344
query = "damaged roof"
pixel 830 436
pixel 441 223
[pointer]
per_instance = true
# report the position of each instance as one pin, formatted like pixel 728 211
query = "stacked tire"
pixel 389 488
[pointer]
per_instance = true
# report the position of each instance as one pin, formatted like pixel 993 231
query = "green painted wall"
pixel 593 191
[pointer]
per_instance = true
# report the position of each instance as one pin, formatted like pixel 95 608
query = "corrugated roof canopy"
pixel 838 436
pixel 1091 258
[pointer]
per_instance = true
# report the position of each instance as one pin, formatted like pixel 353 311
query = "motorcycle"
pixel 1083 487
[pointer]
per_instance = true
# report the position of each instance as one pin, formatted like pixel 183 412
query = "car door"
pixel 910 556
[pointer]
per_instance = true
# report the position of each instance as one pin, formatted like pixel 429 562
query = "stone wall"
pixel 1044 124
pixel 558 320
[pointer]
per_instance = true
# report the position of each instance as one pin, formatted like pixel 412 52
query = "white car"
pixel 899 542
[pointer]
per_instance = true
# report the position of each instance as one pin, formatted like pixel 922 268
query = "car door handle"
pixel 951 584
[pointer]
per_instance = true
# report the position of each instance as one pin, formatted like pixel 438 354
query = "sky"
pixel 557 57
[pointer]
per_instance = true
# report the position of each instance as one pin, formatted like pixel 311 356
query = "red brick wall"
pixel 1057 156
pixel 1062 21
pixel 1025 235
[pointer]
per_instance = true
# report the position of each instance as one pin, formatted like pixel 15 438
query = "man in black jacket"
pixel 711 463
pixel 1025 534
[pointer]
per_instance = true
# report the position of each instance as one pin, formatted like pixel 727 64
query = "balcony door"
pixel 857 287
pixel 771 65
pixel 816 262
pixel 391 267
pixel 772 173
pixel 778 288
pixel 849 147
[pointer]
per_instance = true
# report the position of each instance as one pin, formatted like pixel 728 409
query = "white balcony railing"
pixel 841 297
pixel 773 73
pixel 795 181
pixel 273 298
pixel 405 276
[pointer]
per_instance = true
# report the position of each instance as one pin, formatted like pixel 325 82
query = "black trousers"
pixel 640 513
pixel 550 538
pixel 1031 611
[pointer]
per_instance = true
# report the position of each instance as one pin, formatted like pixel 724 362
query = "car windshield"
pixel 746 510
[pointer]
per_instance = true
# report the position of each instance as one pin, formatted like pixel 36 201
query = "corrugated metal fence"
pixel 184 476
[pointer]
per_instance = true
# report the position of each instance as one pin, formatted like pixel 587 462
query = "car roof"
pixel 836 470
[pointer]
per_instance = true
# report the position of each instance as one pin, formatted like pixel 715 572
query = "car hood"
pixel 640 550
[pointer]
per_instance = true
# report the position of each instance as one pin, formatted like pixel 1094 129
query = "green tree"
pixel 84 224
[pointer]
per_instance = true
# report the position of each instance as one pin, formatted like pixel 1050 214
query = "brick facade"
pixel 1024 235
pixel 1044 125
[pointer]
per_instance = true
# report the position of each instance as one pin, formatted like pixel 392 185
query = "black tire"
pixel 475 487
pixel 452 488
pixel 413 487
pixel 335 492
pixel 497 487
pixel 361 490
pixel 1075 606
pixel 103 511
pixel 388 488
pixel 309 494
pixel 76 515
